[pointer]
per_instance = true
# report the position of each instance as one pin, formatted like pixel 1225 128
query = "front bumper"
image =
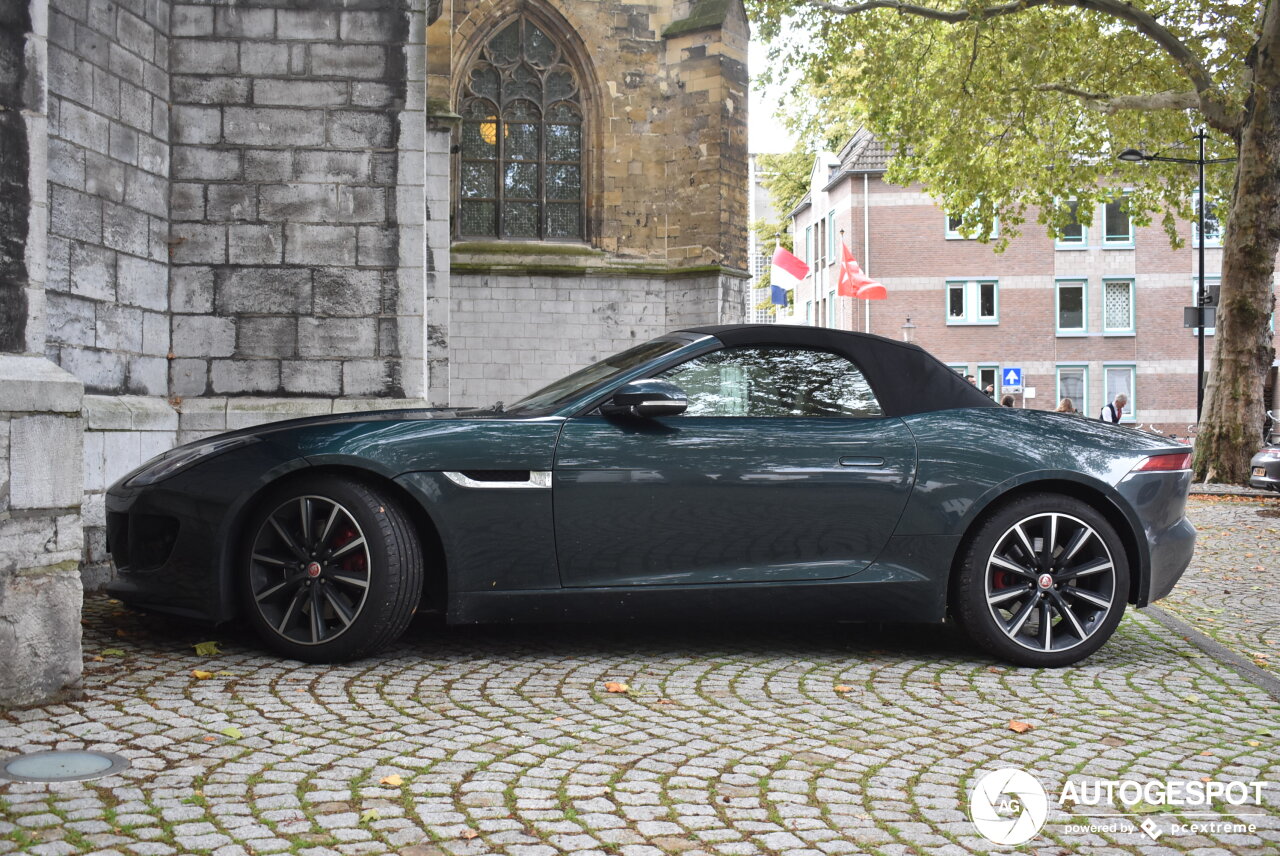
pixel 1160 502
pixel 166 550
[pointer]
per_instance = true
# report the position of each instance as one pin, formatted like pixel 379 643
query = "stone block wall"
pixel 108 151
pixel 41 536
pixel 513 334
pixel 296 199
pixel 120 432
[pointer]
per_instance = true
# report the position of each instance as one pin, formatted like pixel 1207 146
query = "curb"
pixel 1231 490
pixel 1252 673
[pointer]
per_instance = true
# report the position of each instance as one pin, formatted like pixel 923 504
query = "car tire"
pixel 1009 588
pixel 331 570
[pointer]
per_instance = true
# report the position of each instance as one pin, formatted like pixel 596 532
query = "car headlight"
pixel 176 460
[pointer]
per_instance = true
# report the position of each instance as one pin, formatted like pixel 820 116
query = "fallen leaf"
pixel 1207 752
pixel 98 659
pixel 369 815
pixel 112 652
pixel 207 649
pixel 843 688
pixel 1020 727
pixel 392 780
pixel 468 834
pixel 615 687
pixel 1254 743
pixel 994 669
pixel 665 701
pixel 232 732
pixel 209 738
pixel 201 674
pixel 224 672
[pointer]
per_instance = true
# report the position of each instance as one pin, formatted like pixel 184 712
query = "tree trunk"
pixel 1231 428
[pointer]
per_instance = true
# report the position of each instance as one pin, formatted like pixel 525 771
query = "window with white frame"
pixel 1121 380
pixel 1117 306
pixel 1212 225
pixel 1073 383
pixel 1072 306
pixel 831 237
pixel 1117 228
pixel 989 376
pixel 831 309
pixel 1074 234
pixel 808 312
pixel 957 229
pixel 973 301
pixel 808 245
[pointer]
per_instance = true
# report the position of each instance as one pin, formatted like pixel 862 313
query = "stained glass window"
pixel 520 158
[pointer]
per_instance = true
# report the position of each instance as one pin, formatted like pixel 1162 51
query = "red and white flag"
pixel 852 282
pixel 787 270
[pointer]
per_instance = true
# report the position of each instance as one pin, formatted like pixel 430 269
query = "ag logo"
pixel 1008 806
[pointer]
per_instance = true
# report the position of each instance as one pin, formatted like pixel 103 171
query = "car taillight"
pixel 1164 463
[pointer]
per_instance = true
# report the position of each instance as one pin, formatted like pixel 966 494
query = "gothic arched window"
pixel 520 174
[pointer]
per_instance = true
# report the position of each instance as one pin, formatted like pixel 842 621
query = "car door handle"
pixel 860 461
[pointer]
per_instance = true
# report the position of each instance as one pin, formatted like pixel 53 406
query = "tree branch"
pixel 1208 98
pixel 1111 104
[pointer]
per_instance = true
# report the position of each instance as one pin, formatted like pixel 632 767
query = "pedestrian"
pixel 969 378
pixel 990 391
pixel 1065 406
pixel 1007 401
pixel 1113 411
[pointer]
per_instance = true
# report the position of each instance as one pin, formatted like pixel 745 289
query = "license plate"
pixel 1261 472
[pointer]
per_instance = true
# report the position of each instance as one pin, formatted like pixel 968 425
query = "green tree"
pixel 1001 109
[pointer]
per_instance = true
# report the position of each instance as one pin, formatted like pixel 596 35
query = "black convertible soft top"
pixel 905 378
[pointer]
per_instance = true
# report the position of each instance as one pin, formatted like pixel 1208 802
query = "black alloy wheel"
pixel 1043 583
pixel 333 570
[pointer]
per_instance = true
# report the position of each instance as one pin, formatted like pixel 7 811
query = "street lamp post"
pixel 908 331
pixel 1137 156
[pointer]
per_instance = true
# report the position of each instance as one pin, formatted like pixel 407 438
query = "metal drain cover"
pixel 56 766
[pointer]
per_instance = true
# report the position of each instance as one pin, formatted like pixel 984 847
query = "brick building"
pixel 222 212
pixel 1092 314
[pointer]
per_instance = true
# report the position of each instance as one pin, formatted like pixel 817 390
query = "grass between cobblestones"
pixel 733 739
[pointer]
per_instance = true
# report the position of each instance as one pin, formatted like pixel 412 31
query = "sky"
pixel 765 134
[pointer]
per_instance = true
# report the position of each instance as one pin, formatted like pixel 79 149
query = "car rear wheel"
pixel 332 570
pixel 1043 582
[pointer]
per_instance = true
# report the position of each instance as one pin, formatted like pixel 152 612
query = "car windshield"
pixel 561 392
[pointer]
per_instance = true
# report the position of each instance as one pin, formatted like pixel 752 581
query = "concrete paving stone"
pixel 756 736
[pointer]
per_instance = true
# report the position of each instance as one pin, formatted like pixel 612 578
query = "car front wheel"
pixel 332 570
pixel 1043 582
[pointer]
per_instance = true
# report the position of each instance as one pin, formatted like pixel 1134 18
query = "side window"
pixel 776 381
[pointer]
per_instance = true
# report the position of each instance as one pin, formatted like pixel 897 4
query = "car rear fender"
pixel 1102 497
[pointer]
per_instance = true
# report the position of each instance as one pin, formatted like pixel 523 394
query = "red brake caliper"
pixel 355 561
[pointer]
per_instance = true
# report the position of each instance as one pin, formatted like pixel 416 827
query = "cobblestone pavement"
pixel 798 740
pixel 1231 592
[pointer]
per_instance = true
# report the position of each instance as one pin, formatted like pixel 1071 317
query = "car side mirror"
pixel 646 398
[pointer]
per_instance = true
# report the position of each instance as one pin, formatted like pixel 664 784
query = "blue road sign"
pixel 1011 377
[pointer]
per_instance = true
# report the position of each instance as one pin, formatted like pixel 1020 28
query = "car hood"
pixel 417 414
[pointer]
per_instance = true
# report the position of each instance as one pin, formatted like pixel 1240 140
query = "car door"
pixel 782 468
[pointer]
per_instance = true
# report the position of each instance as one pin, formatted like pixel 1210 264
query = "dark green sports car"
pixel 744 471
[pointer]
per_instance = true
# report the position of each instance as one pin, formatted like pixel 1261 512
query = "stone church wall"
pixel 514 334
pixel 296 199
pixel 108 153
